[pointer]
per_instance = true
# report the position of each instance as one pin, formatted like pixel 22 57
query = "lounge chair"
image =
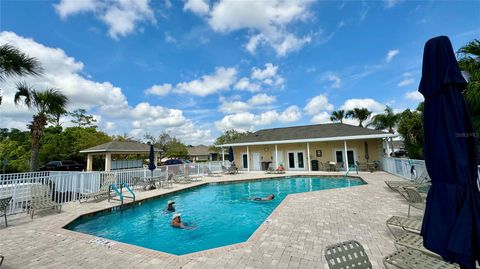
pixel 104 190
pixel 414 241
pixel 41 199
pixel 413 198
pixel 348 254
pixel 407 224
pixel 3 207
pixel 167 182
pixel 351 254
pixel 412 258
pixel 180 178
pixel 1 259
pixel 420 181
pixel 213 174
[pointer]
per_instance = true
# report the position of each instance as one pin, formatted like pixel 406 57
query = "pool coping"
pixel 135 249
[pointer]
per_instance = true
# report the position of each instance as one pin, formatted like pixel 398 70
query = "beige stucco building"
pixel 309 148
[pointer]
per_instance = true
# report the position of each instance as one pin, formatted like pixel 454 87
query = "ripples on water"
pixel 221 213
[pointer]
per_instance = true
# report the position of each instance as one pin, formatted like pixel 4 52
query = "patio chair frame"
pixel 348 254
pixel 4 202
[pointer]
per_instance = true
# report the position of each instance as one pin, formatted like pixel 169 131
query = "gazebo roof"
pixel 120 147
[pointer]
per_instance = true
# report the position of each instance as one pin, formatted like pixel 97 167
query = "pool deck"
pixel 294 236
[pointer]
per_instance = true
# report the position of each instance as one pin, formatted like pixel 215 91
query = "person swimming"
pixel 177 222
pixel 267 198
pixel 170 207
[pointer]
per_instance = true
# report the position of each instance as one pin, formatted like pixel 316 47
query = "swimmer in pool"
pixel 177 222
pixel 267 198
pixel 170 207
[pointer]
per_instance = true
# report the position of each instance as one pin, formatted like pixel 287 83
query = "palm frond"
pixel 25 91
pixel 14 62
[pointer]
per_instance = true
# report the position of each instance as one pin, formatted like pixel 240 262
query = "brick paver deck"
pixel 294 237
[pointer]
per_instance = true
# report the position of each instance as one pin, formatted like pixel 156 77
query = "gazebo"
pixel 116 148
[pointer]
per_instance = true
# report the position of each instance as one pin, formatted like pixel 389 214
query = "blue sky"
pixel 195 68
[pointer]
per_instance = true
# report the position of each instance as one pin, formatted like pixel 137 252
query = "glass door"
pixel 296 160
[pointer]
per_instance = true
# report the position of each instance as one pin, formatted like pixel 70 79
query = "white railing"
pixel 70 186
pixel 403 167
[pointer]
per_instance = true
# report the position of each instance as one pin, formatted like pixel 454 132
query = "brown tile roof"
pixel 200 150
pixel 307 132
pixel 118 146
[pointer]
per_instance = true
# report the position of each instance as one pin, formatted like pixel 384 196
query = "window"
pixel 291 160
pixel 300 159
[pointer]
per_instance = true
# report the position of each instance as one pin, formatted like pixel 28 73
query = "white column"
pixel 223 156
pixel 388 148
pixel 346 155
pixel 108 161
pixel 89 162
pixel 276 156
pixel 248 160
pixel 308 158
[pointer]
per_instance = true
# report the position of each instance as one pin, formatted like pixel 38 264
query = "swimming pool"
pixel 221 213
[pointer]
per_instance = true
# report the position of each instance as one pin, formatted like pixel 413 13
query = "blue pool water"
pixel 221 213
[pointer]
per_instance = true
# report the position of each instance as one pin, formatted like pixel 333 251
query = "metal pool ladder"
pixel 350 168
pixel 119 192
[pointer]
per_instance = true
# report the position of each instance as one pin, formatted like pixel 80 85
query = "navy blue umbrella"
pixel 451 224
pixel 151 160
pixel 230 154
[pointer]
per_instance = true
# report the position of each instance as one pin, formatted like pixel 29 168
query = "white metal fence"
pixel 70 186
pixel 403 167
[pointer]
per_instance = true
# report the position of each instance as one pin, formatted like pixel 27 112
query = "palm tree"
pixel 13 62
pixel 44 103
pixel 470 62
pixel 338 115
pixel 386 121
pixel 361 114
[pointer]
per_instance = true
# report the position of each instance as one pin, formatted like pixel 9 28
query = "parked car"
pixel 62 166
pixel 176 161
pixel 398 153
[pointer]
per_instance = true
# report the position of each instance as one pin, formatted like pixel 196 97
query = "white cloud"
pixel 414 96
pixel 245 121
pixel 236 106
pixel 122 17
pixel 390 3
pixel 70 7
pixel 222 79
pixel 230 107
pixel 317 104
pixel 169 38
pixel 262 99
pixel 406 82
pixel 160 90
pixel 266 21
pixel 268 76
pixel 334 78
pixel 199 7
pixel 245 84
pixel 269 72
pixel 102 99
pixel 391 54
pixel 368 103
pixel 322 117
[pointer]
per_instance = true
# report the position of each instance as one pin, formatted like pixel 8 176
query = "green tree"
pixel 81 119
pixel 161 142
pixel 386 121
pixel 176 149
pixel 228 137
pixel 469 61
pixel 410 126
pixel 361 114
pixel 338 115
pixel 15 149
pixel 43 103
pixel 13 62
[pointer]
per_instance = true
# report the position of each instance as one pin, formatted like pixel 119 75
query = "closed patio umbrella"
pixel 151 161
pixel 230 154
pixel 451 224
